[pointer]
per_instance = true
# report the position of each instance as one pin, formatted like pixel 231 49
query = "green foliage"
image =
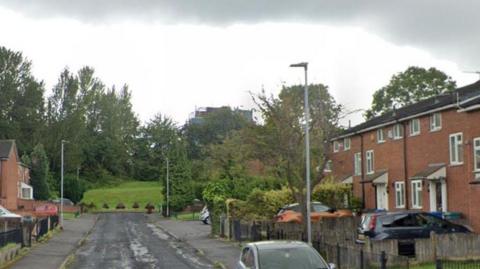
pixel 73 188
pixel 410 86
pixel 40 173
pixel 260 204
pixel 333 194
pixel 21 101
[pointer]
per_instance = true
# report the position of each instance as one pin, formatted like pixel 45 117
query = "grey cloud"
pixel 450 29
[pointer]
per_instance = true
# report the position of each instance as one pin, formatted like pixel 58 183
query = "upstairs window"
pixel 456 148
pixel 346 143
pixel 358 163
pixel 336 146
pixel 397 131
pixel 476 154
pixel 370 161
pixel 435 122
pixel 380 137
pixel 414 127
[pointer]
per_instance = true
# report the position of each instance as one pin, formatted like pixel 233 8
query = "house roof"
pixel 6 147
pixel 465 96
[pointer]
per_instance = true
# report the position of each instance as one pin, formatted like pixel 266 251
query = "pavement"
pixel 52 254
pixel 198 236
pixel 133 240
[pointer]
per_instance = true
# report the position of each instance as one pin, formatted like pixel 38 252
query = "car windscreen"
pixel 320 208
pixel 299 258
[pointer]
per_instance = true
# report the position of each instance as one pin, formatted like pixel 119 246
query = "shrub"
pixel 135 205
pixel 333 194
pixel 120 206
pixel 105 205
pixel 149 206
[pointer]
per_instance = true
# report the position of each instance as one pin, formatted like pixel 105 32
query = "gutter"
pixel 469 108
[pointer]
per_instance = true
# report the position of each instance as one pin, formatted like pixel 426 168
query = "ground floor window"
pixel 416 194
pixel 400 194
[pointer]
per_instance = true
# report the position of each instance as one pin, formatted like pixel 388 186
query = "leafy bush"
pixel 105 205
pixel 135 205
pixel 333 194
pixel 120 206
pixel 260 205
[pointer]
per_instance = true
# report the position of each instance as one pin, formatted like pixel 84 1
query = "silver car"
pixel 281 255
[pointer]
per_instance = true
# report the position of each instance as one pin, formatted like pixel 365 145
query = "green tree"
pixel 39 173
pixel 410 86
pixel 21 101
pixel 281 139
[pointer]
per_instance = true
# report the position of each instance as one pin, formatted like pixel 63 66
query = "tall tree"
pixel 21 101
pixel 281 139
pixel 40 173
pixel 410 86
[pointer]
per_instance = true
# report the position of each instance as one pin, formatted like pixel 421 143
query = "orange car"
pixel 292 213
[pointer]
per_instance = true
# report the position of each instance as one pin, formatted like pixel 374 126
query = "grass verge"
pixel 128 193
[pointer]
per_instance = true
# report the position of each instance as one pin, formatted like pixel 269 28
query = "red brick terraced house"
pixel 423 156
pixel 14 177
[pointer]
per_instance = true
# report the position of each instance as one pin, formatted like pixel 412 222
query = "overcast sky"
pixel 180 54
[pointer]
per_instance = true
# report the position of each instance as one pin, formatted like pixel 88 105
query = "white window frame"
pixel 345 148
pixel 380 136
pixel 433 126
pixel 399 194
pixel 370 161
pixel 336 146
pixel 397 131
pixel 417 198
pixel 414 123
pixel 357 163
pixel 475 158
pixel 456 157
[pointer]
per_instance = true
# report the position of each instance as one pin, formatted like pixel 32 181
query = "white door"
pixel 438 196
pixel 382 197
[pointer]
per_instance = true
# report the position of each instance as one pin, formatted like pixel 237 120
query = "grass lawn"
pixel 69 216
pixel 142 192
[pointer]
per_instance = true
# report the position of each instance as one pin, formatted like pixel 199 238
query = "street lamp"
pixel 304 65
pixel 168 191
pixel 61 186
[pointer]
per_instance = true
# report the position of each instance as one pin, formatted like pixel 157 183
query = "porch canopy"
pixel 434 172
pixel 379 177
pixel 347 179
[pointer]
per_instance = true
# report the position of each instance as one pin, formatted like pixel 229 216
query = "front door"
pixel 382 196
pixel 438 199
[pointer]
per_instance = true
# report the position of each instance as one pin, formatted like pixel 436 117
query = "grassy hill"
pixel 142 192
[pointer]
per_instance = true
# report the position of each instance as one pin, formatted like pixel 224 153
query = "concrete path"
pixel 52 254
pixel 197 235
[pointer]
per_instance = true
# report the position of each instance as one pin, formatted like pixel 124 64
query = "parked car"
pixel 292 213
pixel 205 215
pixel 404 225
pixel 66 201
pixel 281 255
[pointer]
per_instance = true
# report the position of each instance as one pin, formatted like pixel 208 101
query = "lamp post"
pixel 168 190
pixel 304 65
pixel 61 186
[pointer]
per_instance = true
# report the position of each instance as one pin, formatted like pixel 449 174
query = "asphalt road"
pixel 130 240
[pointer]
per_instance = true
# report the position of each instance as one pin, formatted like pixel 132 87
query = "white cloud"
pixel 173 68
